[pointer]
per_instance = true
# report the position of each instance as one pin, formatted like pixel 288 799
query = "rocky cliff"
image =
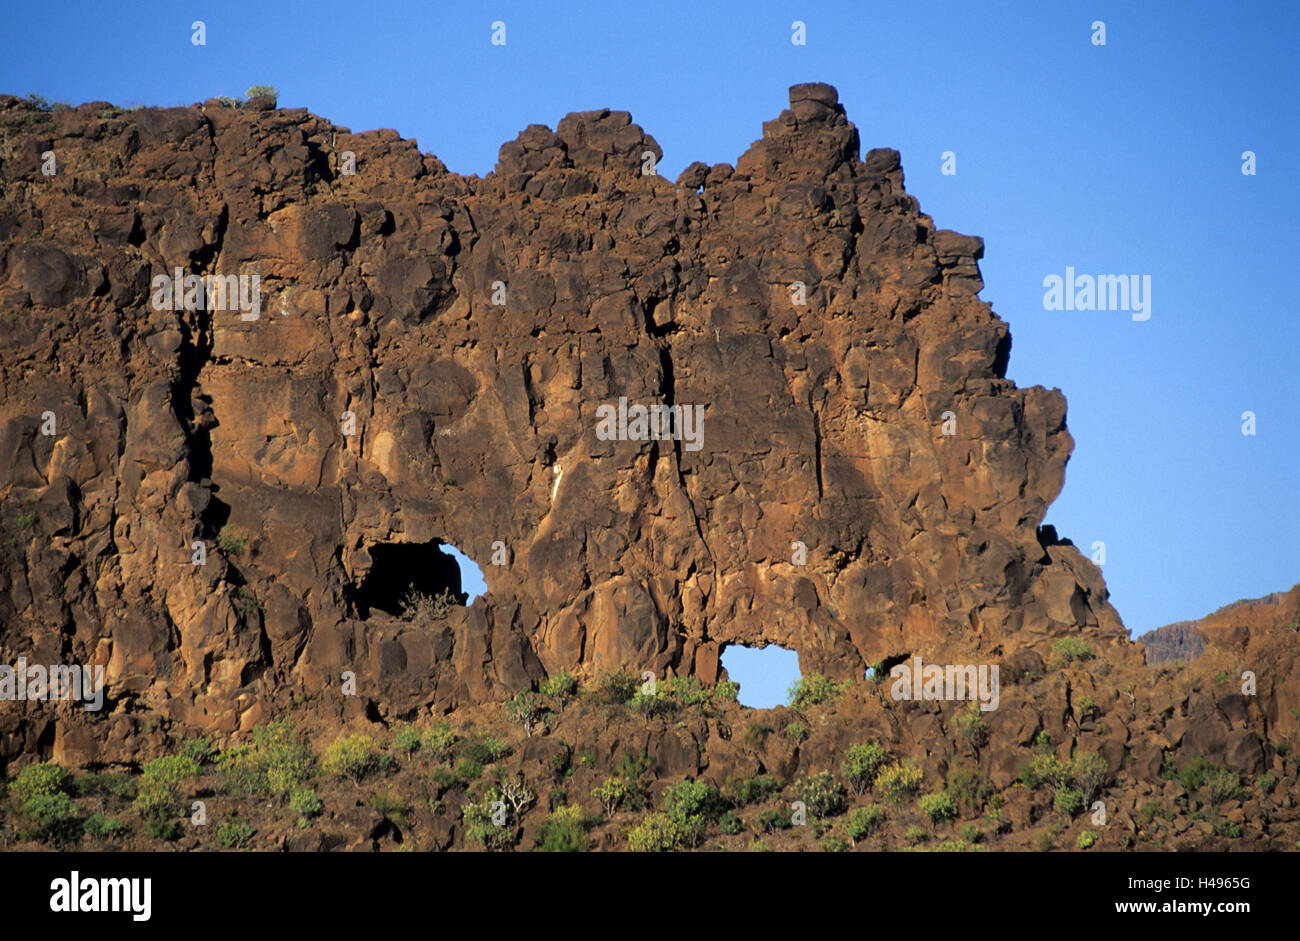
pixel 428 362
pixel 256 368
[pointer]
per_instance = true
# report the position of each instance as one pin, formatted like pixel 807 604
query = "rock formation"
pixel 427 361
pixel 1178 641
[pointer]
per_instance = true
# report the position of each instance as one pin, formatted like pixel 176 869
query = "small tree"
pixel 610 794
pixel 861 764
pixel 526 709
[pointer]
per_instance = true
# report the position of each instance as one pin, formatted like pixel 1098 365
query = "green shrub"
pixel 162 829
pixel 235 834
pixel 285 759
pixel 686 691
pixel 1149 811
pixel 389 806
pixel 561 687
pixel 198 749
pixel 171 770
pixel 861 764
pixel 1070 649
pixel 564 831
pixel 352 756
pixel 526 708
pixel 443 778
pixel 246 601
pixel 864 821
pixel 610 794
pixel 1228 829
pixel 231 541
pixel 965 783
pixel 655 834
pixel 1086 839
pixel 814 690
pixel 438 741
pixel 1044 768
pixel 480 829
pixel 164 786
pixel 49 817
pixel 36 780
pixel 725 691
pixel 796 730
pixel 467 769
pixel 275 763
pixel 746 791
pixel 115 784
pixel 971 727
pixel 258 91
pixel 1194 773
pixel 617 689
pixel 689 803
pixel 407 739
pixel 304 802
pixel 898 780
pixel 1068 801
pixel 730 824
pixel 1266 782
pixel 758 845
pixel 833 843
pixel 1089 774
pixel 772 819
pixel 631 765
pixel 913 835
pixel 971 833
pixel 1223 785
pixel 485 751
pixel 938 806
pixel 652 705
pixel 822 794
pixel 106 828
pixel 756 732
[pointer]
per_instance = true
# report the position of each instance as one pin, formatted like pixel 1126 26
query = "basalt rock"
pixel 426 362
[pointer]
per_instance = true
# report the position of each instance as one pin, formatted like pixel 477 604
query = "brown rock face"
pixel 435 357
pixel 1178 641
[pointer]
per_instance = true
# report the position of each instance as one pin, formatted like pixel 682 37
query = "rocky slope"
pixel 429 360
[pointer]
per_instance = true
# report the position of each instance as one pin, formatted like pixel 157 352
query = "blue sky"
pixel 1118 159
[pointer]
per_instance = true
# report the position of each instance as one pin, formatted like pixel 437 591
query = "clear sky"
pixel 1117 159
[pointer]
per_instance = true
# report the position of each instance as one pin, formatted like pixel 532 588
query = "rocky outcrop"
pixel 430 358
pixel 1177 641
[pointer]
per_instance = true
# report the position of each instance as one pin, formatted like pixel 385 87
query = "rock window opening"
pixel 765 674
pixel 405 576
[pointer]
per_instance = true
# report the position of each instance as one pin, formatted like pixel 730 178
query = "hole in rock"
pixel 399 568
pixel 886 666
pixel 765 674
pixel 472 582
